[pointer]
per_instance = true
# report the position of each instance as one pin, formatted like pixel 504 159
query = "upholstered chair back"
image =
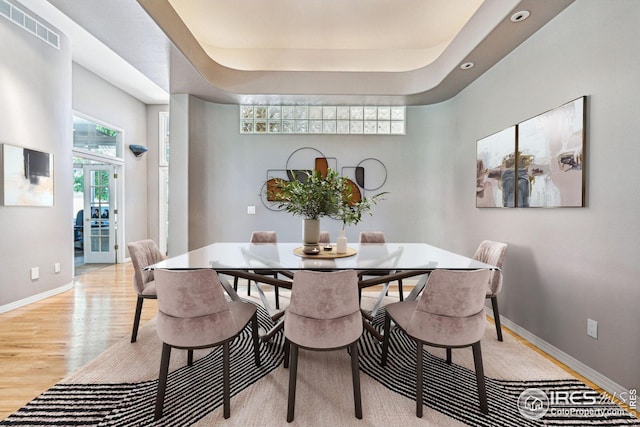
pixel 451 308
pixel 372 237
pixel 324 311
pixel 192 308
pixel 143 254
pixel 493 253
pixel 264 237
pixel 325 237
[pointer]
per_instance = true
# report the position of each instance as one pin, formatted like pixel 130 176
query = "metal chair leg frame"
pixel 355 373
pixel 162 380
pixel 136 319
pixel 226 381
pixel 385 340
pixel 419 367
pixel 256 339
pixel 293 372
pixel 482 390
pixel 496 316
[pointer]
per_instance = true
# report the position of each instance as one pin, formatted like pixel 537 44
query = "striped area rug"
pixel 193 392
pixel 452 390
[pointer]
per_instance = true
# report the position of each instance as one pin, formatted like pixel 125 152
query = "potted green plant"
pixel 351 210
pixel 313 196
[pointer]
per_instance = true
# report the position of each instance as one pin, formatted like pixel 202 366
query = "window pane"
pixel 96 138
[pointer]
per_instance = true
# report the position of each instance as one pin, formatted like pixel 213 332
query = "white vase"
pixel 310 232
pixel 341 243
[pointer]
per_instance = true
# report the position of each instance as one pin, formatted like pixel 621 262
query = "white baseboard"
pixel 34 298
pixel 592 375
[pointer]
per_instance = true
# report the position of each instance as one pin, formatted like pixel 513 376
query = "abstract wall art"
pixel 27 177
pixel 495 170
pixel 551 148
pixel 536 163
pixel 305 160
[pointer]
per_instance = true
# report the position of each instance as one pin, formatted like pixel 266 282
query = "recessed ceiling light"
pixel 520 16
pixel 467 65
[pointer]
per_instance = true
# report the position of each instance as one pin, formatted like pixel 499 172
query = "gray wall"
pixel 40 87
pixel 101 100
pixel 227 170
pixel 35 106
pixel 566 265
pixel 562 266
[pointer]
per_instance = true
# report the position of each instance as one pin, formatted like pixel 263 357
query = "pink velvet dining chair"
pixel 143 254
pixel 193 313
pixel 493 253
pixel 324 314
pixel 325 237
pixel 262 237
pixel 378 237
pixel 449 314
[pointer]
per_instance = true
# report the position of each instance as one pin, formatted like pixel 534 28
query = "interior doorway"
pixel 97 193
pixel 95 207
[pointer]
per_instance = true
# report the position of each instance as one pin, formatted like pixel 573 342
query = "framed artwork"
pixel 551 150
pixel 537 163
pixel 495 161
pixel 27 177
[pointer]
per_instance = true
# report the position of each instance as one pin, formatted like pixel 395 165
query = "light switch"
pixel 35 273
pixel 56 267
pixel 251 210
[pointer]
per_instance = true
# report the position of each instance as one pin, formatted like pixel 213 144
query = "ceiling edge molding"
pixel 435 83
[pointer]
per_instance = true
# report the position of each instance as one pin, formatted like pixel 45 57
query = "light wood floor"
pixel 46 341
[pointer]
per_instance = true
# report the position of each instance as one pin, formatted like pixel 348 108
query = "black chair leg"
pixel 293 372
pixel 496 316
pixel 385 339
pixel 256 339
pixel 448 355
pixel 419 398
pixel 190 357
pixel 248 287
pixel 400 290
pixel 226 383
pixel 162 380
pixel 277 297
pixel 287 348
pixel 235 283
pixel 355 372
pixel 482 390
pixel 136 319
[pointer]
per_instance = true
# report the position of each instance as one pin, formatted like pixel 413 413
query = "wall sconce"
pixel 138 150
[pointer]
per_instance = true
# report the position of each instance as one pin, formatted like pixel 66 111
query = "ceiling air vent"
pixel 29 23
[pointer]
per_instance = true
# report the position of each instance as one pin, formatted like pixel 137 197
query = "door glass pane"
pixel 100 211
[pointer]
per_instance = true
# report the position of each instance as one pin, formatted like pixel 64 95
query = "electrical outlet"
pixel 592 328
pixel 35 273
pixel 251 210
pixel 56 267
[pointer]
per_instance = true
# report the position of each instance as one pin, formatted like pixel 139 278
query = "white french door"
pixel 100 218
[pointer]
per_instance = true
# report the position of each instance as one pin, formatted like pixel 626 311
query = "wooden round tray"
pixel 332 254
